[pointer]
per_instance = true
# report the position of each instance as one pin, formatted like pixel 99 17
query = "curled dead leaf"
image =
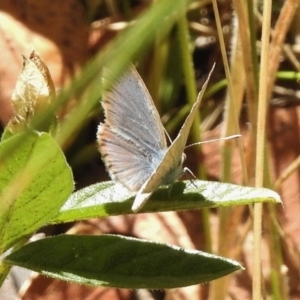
pixel 34 91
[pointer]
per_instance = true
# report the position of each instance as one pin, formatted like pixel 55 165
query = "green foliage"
pixel 109 199
pixel 118 261
pixel 35 181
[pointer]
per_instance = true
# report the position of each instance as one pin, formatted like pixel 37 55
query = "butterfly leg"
pixel 187 170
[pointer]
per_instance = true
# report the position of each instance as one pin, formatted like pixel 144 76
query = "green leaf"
pixel 35 181
pixel 107 199
pixel 123 262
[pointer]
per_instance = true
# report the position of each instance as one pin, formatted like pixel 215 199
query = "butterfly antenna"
pixel 216 140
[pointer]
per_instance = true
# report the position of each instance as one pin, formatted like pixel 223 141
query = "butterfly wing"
pixel 170 167
pixel 132 140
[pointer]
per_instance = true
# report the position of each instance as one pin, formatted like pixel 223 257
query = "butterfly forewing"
pixel 129 108
pixel 132 140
